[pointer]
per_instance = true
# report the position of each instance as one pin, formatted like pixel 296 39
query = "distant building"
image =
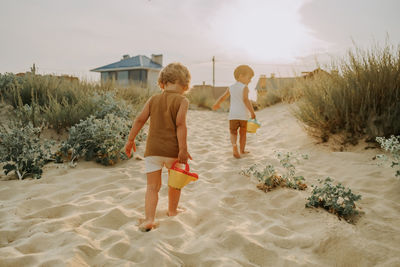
pixel 311 74
pixel 138 70
pixel 265 84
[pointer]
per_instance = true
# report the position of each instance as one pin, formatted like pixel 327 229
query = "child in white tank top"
pixel 239 107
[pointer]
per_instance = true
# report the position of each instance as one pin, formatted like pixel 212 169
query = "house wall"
pixel 140 77
pixel 152 80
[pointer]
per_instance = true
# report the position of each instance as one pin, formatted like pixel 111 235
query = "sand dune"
pixel 87 216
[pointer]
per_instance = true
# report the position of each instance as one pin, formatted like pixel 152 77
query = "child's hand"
pixel 183 156
pixel 215 107
pixel 129 146
pixel 253 116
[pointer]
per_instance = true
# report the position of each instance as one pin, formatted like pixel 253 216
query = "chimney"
pixel 125 56
pixel 157 58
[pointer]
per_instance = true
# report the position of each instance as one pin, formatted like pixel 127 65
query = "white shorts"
pixel 156 163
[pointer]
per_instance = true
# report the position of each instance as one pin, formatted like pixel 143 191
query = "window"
pixel 112 75
pixel 138 76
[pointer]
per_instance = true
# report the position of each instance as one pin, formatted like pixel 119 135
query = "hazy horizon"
pixel 285 37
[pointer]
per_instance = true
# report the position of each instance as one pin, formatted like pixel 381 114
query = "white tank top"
pixel 237 110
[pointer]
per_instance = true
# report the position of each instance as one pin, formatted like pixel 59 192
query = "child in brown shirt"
pixel 166 141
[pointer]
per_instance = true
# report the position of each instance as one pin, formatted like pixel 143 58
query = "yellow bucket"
pixel 178 178
pixel 252 126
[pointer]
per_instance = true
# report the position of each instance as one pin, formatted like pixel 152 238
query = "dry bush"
pixel 287 94
pixel 203 98
pixel 361 100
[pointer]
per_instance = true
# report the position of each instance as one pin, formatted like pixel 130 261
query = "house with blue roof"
pixel 138 70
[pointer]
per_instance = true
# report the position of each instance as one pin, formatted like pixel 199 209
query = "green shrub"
pixel 98 139
pixel 392 145
pixel 334 198
pixel 107 103
pixel 269 178
pixel 361 99
pixel 22 151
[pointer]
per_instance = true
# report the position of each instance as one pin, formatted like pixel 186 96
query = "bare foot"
pixel 174 213
pixel 146 226
pixel 244 152
pixel 236 152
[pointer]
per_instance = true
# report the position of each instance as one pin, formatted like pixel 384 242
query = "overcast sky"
pixel 280 36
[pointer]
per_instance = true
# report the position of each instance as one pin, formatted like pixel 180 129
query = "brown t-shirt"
pixel 162 139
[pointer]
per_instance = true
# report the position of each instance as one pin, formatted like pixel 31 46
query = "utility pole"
pixel 213 61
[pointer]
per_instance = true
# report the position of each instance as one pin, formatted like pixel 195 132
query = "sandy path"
pixel 87 216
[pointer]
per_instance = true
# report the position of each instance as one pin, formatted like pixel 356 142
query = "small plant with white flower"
pixel 269 177
pixel 336 199
pixel 391 145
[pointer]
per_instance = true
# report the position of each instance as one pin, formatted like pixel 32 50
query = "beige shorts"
pixel 156 163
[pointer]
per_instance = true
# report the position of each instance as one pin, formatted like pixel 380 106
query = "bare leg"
pixel 151 200
pixel 173 200
pixel 234 146
pixel 243 132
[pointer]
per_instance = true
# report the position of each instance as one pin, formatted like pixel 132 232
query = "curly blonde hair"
pixel 175 73
pixel 243 70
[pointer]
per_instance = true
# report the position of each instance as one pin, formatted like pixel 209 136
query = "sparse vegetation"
pixel 391 145
pixel 269 177
pixel 360 99
pixel 334 198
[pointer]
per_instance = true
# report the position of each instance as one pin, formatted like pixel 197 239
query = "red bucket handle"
pixel 174 167
pixel 186 171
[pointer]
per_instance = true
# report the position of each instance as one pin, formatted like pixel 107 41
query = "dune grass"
pixel 61 103
pixel 361 99
pixel 204 98
pixel 288 94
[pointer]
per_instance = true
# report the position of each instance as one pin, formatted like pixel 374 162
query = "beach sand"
pixel 87 216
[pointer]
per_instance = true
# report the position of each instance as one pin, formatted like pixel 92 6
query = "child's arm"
pixel 247 102
pixel 221 99
pixel 137 125
pixel 181 132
